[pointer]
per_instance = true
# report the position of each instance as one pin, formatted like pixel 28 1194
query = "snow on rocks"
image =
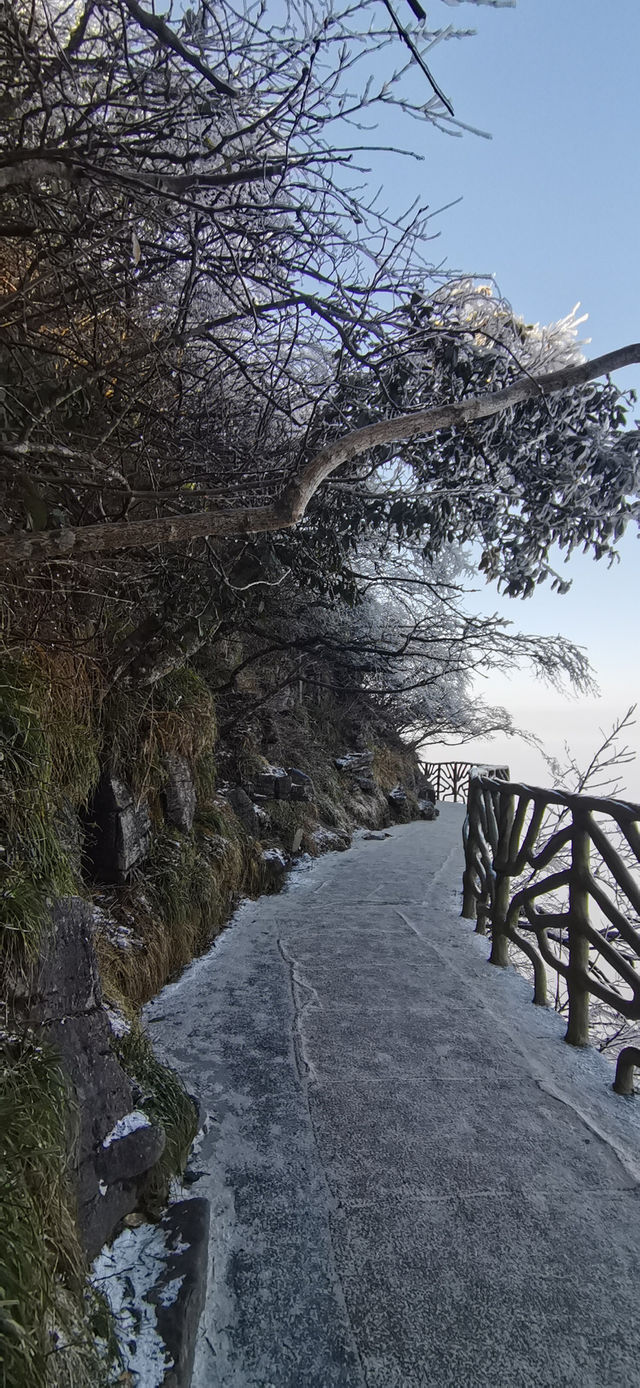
pixel 132 1147
pixel 273 784
pixel 275 857
pixel 129 1124
pixel 275 863
pixel 117 1020
pixel 354 761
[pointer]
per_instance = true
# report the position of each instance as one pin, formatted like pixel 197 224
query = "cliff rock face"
pixel 180 794
pixel 113 1144
pixel 118 830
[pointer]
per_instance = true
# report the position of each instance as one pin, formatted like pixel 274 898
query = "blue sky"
pixel 551 207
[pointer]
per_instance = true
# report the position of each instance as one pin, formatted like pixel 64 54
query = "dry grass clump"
pixel 391 766
pixel 178 902
pixel 394 766
pixel 42 1270
pixel 285 821
pixel 48 763
pixel 312 738
pixel 56 729
pixel 141 726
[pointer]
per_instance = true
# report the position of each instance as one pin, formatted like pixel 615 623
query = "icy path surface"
pixel 413 1182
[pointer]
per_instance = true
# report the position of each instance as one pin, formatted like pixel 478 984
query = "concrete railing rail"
pixel 534 883
pixel 450 779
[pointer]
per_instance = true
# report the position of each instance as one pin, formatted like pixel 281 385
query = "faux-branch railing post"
pixel 450 779
pixel 504 838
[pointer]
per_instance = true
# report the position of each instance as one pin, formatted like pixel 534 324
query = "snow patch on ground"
pixel 169 1293
pixel 298 872
pixel 129 1124
pixel 124 1274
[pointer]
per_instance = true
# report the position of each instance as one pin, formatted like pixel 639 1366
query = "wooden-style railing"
pixel 537 862
pixel 450 779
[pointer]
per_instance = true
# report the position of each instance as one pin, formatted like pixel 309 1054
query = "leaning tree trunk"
pixel 107 538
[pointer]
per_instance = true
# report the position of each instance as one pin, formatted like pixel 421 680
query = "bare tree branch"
pixel 154 24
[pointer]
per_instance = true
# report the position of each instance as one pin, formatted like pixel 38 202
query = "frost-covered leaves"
pixel 556 471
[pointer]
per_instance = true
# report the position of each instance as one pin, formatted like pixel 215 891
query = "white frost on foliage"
pixel 125 1273
pixel 117 1020
pixel 129 1124
pixel 326 840
pixel 536 347
pixel 273 855
pixel 121 936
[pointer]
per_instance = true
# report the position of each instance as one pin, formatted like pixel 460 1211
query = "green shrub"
pixel 165 1100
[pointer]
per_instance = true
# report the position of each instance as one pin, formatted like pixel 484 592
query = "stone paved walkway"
pixel 414 1183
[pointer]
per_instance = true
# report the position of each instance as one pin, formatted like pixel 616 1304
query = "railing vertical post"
pixel 577 987
pixel 469 898
pixel 499 938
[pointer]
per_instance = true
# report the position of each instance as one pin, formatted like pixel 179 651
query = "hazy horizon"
pixel 551 207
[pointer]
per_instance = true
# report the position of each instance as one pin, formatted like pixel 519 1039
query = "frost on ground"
pixel 125 1274
pixel 298 872
pixel 359 1064
pixel 129 1124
